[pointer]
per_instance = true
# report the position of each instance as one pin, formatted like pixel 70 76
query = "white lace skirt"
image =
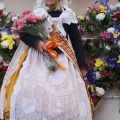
pixel 43 95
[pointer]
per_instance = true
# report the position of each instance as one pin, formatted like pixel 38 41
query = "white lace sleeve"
pixel 68 16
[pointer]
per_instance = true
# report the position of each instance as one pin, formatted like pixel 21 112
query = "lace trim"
pixel 11 69
pixel 49 107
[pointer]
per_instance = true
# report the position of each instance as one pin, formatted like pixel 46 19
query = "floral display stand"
pixel 100 31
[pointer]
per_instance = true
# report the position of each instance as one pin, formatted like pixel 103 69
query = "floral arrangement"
pixel 29 23
pixel 34 25
pixel 6 18
pixel 8 46
pixel 8 41
pixel 100 31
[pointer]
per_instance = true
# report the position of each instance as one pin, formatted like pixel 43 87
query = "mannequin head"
pixel 52 3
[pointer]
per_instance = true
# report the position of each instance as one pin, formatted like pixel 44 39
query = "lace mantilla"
pixel 68 16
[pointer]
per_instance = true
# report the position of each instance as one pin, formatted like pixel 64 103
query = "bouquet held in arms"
pixel 34 25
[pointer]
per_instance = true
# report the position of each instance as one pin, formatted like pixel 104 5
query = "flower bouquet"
pixel 35 25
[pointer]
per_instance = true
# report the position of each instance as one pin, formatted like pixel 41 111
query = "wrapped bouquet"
pixel 35 25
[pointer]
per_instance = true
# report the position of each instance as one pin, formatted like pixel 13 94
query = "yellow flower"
pixel 12 42
pixel 97 65
pixel 103 9
pixel 118 61
pixel 100 68
pixel 91 87
pixel 10 47
pixel 81 17
pixel 6 37
pixel 9 39
pixel 115 35
pixel 99 61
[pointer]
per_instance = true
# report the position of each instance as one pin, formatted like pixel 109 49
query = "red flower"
pixel 1 12
pixel 96 39
pixel 95 100
pixel 4 68
pixel 117 16
pixel 88 22
pixel 111 74
pixel 105 73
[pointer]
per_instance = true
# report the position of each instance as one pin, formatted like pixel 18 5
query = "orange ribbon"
pixel 50 45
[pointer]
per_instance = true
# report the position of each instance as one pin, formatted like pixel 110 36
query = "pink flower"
pixel 105 35
pixel 12 15
pixel 88 11
pixel 26 12
pixel 96 7
pixel 26 20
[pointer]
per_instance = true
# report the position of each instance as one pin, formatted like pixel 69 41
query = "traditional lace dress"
pixel 40 94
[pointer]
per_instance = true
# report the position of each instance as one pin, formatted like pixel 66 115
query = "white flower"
pixel 117 5
pixel 111 30
pixel 108 47
pixel 100 91
pixel 14 18
pixel 112 7
pixel 1 58
pixel 5 64
pixel 98 75
pixel 5 13
pixel 2 6
pixel 5 44
pixel 3 33
pixel 91 43
pixel 119 56
pixel 100 16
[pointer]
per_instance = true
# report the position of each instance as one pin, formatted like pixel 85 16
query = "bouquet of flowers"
pixel 29 23
pixel 34 25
